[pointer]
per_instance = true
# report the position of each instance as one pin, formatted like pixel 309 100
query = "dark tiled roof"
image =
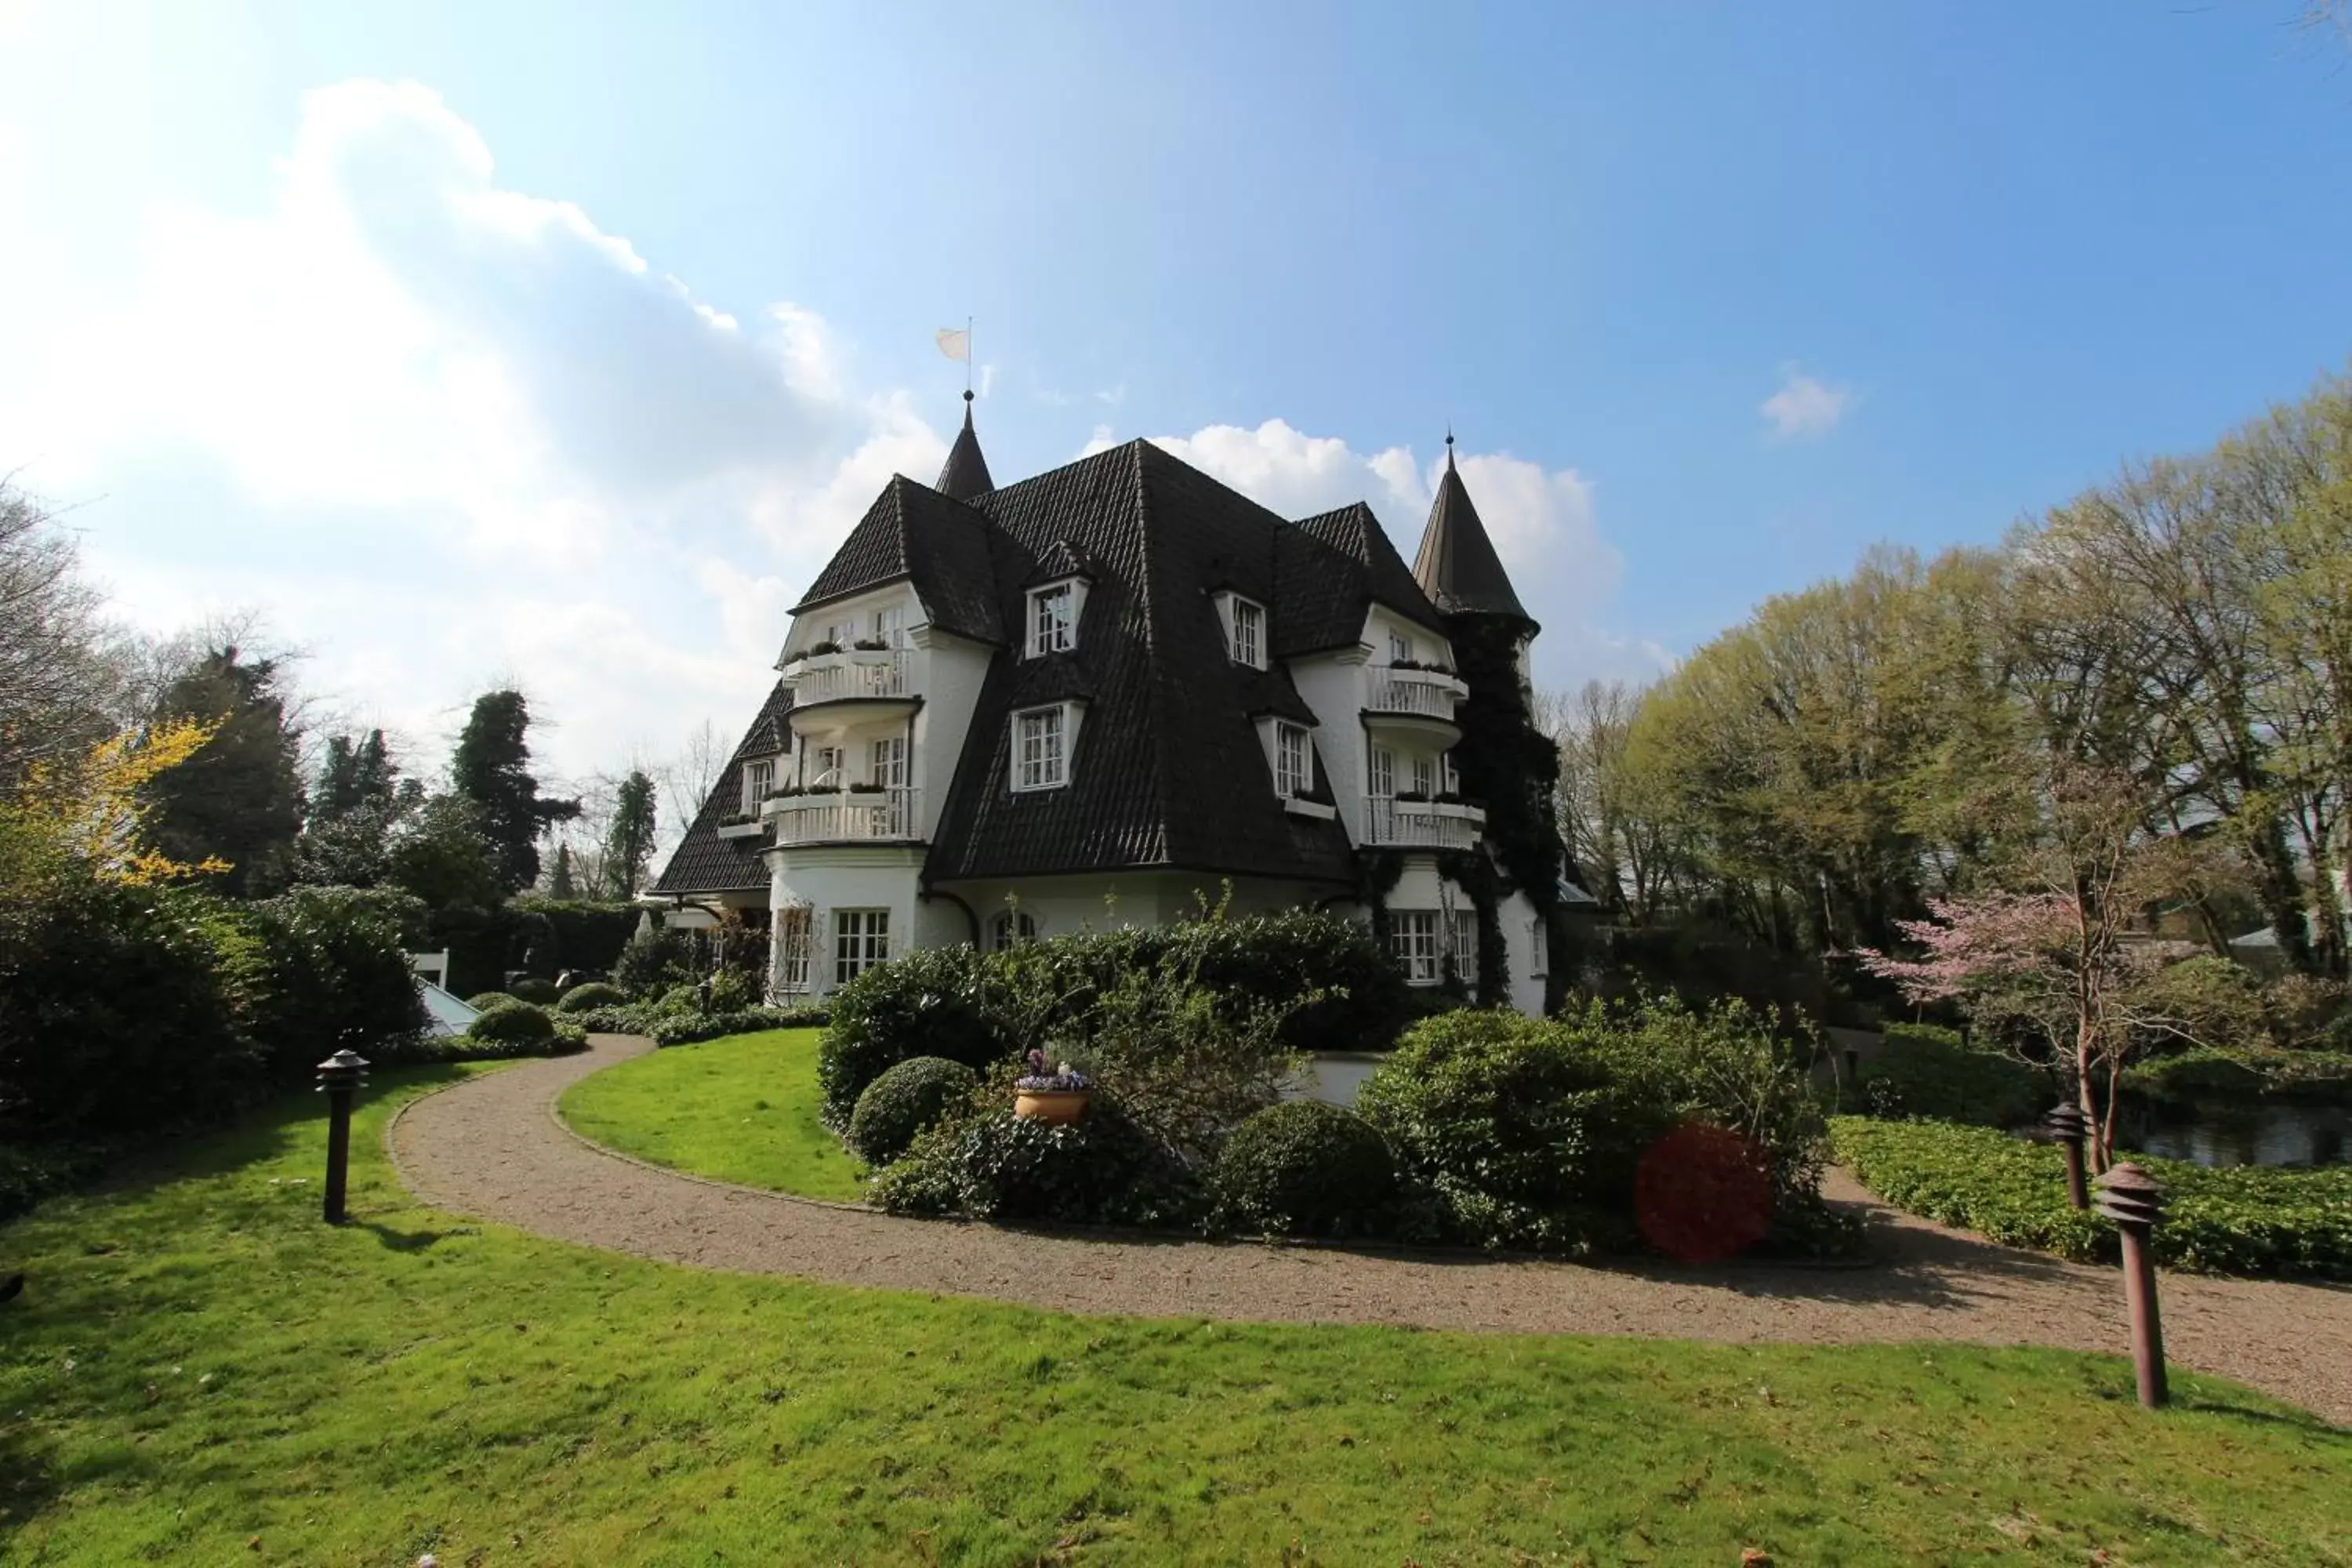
pixel 1457 566
pixel 1326 601
pixel 705 863
pixel 913 533
pixel 965 474
pixel 1168 769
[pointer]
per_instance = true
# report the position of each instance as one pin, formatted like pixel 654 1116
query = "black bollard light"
pixel 339 1077
pixel 2133 1199
pixel 2070 1127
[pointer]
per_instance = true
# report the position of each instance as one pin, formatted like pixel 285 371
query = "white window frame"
pixel 890 624
pixel 1463 946
pixel 1538 951
pixel 1049 632
pixel 1010 927
pixel 887 759
pixel 794 936
pixel 1413 941
pixel 1048 767
pixel 824 759
pixel 759 778
pixel 1400 646
pixel 1294 759
pixel 1382 774
pixel 861 940
pixel 1245 631
pixel 1450 780
pixel 1425 774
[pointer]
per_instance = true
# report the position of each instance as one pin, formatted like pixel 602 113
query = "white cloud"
pixel 1805 406
pixel 1542 523
pixel 446 432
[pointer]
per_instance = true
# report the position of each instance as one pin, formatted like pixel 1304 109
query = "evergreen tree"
pixel 347 842
pixel 559 885
pixel 240 798
pixel 491 768
pixel 629 842
pixel 441 853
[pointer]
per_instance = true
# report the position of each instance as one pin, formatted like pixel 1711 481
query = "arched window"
pixel 1011 926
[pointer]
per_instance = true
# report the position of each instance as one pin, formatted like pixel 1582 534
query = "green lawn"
pixel 742 1109
pixel 201 1373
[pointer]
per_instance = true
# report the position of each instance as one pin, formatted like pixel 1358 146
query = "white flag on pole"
pixel 956 343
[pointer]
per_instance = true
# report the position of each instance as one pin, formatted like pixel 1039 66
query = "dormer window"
pixel 1053 618
pixel 757 778
pixel 1244 621
pixel 1294 761
pixel 1042 739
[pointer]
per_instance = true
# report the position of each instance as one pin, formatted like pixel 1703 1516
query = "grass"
pixel 742 1109
pixel 200 1371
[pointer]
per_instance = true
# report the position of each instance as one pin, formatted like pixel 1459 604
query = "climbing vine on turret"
pixel 1512 769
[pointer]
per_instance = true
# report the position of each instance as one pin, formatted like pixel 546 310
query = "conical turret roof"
pixel 1456 565
pixel 966 473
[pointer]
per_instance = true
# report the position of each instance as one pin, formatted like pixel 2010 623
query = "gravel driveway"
pixel 492 1148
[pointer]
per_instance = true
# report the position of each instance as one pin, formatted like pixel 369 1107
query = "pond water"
pixel 2221 1130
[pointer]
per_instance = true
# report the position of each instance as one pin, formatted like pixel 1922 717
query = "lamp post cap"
pixel 343 1060
pixel 2129 1195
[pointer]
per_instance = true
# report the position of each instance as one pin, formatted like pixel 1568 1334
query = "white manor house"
pixel 1096 698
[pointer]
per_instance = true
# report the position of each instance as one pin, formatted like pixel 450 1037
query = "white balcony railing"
pixel 1423 693
pixel 1422 824
pixel 840 676
pixel 849 816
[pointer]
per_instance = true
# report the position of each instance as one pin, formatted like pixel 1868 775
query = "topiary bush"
pixel 926 1002
pixel 483 1001
pixel 517 1022
pixel 1305 1168
pixel 1526 1134
pixel 903 1101
pixel 593 994
pixel 530 988
pixel 997 1165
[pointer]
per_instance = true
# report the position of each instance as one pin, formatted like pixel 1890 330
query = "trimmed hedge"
pixel 550 934
pixel 1100 1171
pixel 979 1008
pixel 2247 1220
pixel 691 1028
pixel 532 989
pixel 593 994
pixel 1305 1168
pixel 1930 1072
pixel 902 1102
pixel 517 1023
pixel 483 1001
pixel 2321 1075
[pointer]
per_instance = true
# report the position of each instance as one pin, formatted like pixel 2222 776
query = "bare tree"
pixel 687 778
pixel 60 666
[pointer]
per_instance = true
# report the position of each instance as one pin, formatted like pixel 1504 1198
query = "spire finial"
pixel 1449 445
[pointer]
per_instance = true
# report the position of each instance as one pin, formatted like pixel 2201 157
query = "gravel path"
pixel 492 1148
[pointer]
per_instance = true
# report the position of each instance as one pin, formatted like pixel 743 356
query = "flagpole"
pixel 967 359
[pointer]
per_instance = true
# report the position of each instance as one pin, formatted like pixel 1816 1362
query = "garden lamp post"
pixel 2070 1127
pixel 339 1077
pixel 2132 1198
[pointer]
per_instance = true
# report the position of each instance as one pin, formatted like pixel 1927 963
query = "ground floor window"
pixel 1466 946
pixel 1413 937
pixel 791 940
pixel 1539 954
pixel 1010 927
pixel 861 939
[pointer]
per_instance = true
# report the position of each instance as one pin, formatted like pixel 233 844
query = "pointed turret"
pixel 966 474
pixel 1457 566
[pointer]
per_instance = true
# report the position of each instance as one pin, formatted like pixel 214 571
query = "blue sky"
pixel 561 342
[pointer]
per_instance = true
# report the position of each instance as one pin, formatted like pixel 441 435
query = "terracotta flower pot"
pixel 1055 1105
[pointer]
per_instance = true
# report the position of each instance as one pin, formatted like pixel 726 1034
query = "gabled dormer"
pixel 1054 601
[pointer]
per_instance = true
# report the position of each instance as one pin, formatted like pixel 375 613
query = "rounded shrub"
pixel 530 988
pixel 593 994
pixel 1101 1171
pixel 926 1002
pixel 903 1101
pixel 516 1024
pixel 483 1001
pixel 1304 1167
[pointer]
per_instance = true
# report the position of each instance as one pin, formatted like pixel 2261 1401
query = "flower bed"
pixel 2249 1220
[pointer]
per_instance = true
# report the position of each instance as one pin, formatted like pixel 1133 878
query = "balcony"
pixel 859 675
pixel 1393 824
pixel 1420 701
pixel 846 816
